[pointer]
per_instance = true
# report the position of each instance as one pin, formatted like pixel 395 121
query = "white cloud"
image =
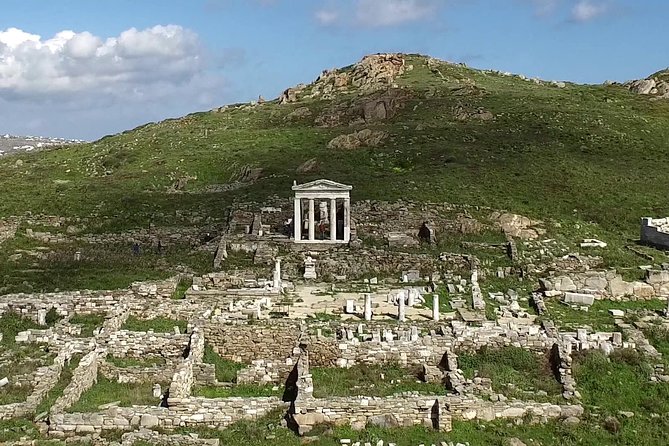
pixel 137 63
pixel 392 12
pixel 376 13
pixel 587 10
pixel 327 16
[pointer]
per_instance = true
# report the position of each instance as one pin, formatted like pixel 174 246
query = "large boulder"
pixel 643 86
pixel 305 422
pixel 517 225
pixel 363 138
pixel 388 421
pixel 619 288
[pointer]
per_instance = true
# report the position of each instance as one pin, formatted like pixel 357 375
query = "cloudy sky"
pixel 83 69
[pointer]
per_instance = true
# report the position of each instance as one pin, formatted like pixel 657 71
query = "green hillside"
pixel 579 153
pixel 599 151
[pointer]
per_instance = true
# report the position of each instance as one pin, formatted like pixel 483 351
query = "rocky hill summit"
pixel 373 72
pixel 656 85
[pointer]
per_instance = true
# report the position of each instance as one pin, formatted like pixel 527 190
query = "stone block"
pixel 149 421
pixel 596 283
pixel 618 287
pixel 655 277
pixel 564 283
pixel 643 290
pixel 579 298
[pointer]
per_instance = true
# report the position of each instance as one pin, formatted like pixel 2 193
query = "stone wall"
pixel 431 411
pixel 369 343
pixel 376 218
pixel 247 342
pixel 655 231
pixel 163 289
pixel 139 344
pixel 65 303
pixel 155 374
pixel 607 285
pixel 183 379
pixel 266 371
pixel 413 349
pixel 361 263
pixel 83 378
pixel 45 379
pixel 183 412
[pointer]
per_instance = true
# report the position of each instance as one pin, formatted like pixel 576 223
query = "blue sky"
pixel 83 69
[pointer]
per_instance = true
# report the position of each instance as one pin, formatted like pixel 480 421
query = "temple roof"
pixel 322 185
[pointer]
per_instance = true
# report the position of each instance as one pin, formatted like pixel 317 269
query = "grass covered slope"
pixel 594 153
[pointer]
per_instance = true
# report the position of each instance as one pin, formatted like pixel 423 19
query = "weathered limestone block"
pixel 579 298
pixel 643 290
pixel 432 374
pixel 596 283
pixel 619 288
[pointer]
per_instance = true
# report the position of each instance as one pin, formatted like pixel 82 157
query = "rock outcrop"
pixel 374 72
pixel 363 138
pixel 656 85
pixel 518 225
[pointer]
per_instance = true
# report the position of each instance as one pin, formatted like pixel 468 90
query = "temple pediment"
pixel 322 185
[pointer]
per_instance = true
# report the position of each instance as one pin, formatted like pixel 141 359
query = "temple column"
pixel 368 307
pixel 333 219
pixel 435 307
pixel 402 312
pixel 312 222
pixel 347 220
pixel 297 220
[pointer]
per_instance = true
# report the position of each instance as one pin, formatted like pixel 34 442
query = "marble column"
pixel 276 283
pixel 401 312
pixel 312 222
pixel 368 307
pixel 347 220
pixel 435 307
pixel 333 219
pixel 297 220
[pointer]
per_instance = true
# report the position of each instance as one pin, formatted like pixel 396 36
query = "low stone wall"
pixel 183 379
pixel 185 412
pixel 65 303
pixel 655 231
pixel 266 371
pixel 365 262
pixel 114 322
pixel 45 379
pixel 157 374
pixel 247 342
pixel 407 347
pixel 163 289
pixel 415 410
pixel 607 285
pixel 369 343
pixel 139 344
pixel 83 378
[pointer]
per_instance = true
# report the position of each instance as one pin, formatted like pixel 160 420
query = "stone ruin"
pixel 316 303
pixel 388 325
